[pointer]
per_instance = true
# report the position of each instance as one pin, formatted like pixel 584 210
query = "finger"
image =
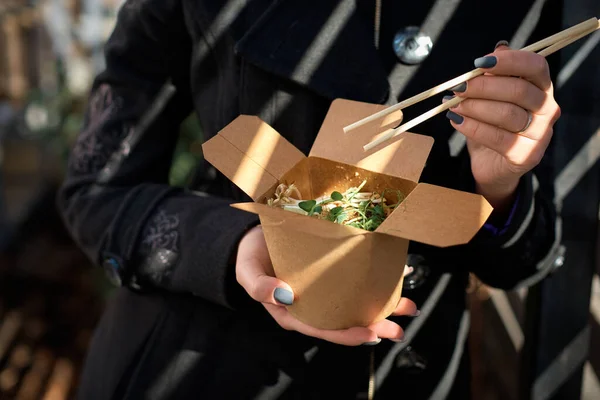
pixel 502 45
pixel 347 337
pixel 507 89
pixel 490 136
pixel 526 64
pixel 406 307
pixel 507 116
pixel 252 275
pixel 521 152
pixel 387 329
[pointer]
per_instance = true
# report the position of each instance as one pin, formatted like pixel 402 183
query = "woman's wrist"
pixel 500 196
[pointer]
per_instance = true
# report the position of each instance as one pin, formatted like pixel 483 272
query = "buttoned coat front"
pixel 179 326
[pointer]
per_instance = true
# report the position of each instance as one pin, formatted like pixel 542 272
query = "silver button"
pixel 412 46
pixel 410 361
pixel 559 261
pixel 420 272
pixel 113 271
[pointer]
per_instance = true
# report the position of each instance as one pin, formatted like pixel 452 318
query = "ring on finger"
pixel 529 119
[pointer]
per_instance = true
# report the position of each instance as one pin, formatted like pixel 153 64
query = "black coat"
pixel 180 326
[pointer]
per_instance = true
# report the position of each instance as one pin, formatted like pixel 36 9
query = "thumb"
pixel 272 290
pixel 262 287
pixel 502 45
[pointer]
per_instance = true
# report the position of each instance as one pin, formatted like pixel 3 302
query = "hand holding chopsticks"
pixel 547 47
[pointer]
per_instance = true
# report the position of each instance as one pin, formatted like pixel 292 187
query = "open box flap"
pixel 404 156
pixel 251 154
pixel 438 216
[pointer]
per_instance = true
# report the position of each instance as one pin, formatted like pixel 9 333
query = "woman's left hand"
pixel 508 120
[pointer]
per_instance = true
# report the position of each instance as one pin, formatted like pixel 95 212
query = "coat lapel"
pixel 323 45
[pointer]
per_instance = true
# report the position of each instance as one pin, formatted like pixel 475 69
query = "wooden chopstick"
pixel 457 100
pixel 414 122
pixel 569 32
pixel 564 43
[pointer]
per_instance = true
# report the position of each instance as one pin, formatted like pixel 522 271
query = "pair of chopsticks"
pixel 547 46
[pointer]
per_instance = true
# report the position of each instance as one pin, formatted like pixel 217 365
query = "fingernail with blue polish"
pixel 417 313
pixel 501 43
pixel 486 62
pixel 454 117
pixel 446 98
pixel 462 87
pixel 284 296
pixel 373 343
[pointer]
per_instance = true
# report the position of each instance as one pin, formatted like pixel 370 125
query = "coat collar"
pixel 324 45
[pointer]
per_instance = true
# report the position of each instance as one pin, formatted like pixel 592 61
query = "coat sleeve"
pixel 116 200
pixel 520 249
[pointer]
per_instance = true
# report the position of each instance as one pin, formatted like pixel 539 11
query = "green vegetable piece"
pixel 333 213
pixel 307 205
pixel 318 209
pixel 398 194
pixel 357 190
pixel 341 217
pixel 337 196
pixel 373 223
pixel 336 210
pixel 363 206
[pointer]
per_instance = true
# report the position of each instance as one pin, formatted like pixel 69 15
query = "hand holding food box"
pixel 338 222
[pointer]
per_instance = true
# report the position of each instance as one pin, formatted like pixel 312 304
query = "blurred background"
pixel 541 343
pixel 50 295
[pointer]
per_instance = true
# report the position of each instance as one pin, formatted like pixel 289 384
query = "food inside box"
pixel 353 207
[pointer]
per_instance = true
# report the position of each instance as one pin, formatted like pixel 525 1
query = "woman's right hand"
pixel 254 272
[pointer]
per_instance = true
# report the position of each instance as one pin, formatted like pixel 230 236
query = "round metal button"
pixel 410 361
pixel 412 46
pixel 113 270
pixel 420 272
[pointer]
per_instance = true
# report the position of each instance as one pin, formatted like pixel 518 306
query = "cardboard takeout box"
pixel 343 276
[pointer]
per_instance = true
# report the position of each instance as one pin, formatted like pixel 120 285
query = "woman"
pixel 198 313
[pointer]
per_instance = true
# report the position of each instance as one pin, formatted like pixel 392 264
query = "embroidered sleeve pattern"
pixel 101 136
pixel 161 232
